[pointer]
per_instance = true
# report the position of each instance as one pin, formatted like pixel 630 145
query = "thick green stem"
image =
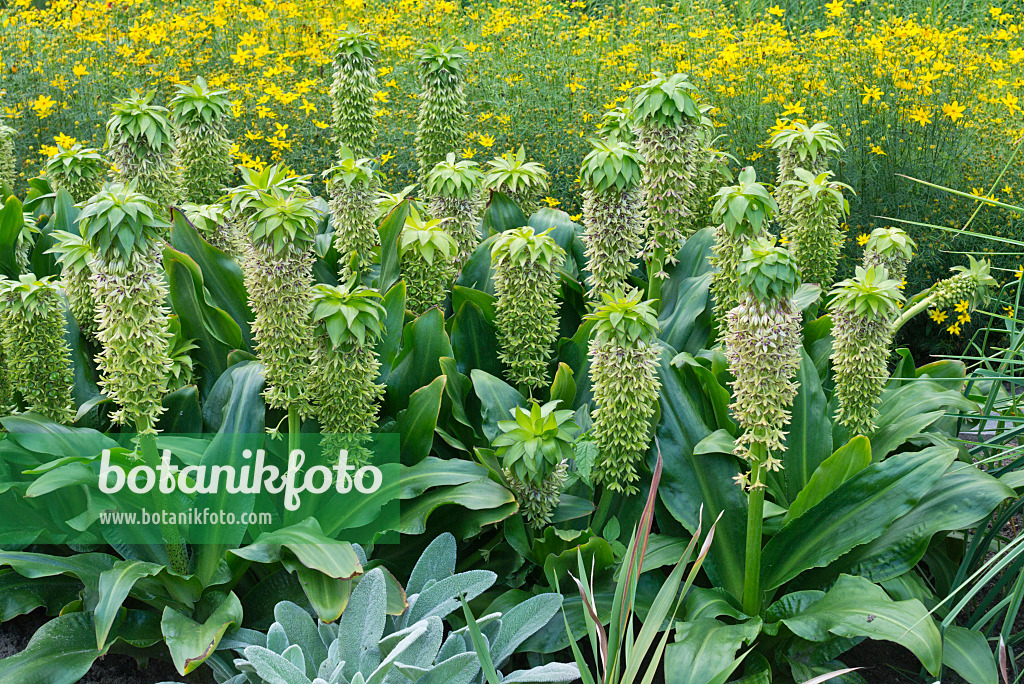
pixel 601 514
pixel 655 266
pixel 294 428
pixel 911 312
pixel 173 543
pixel 755 522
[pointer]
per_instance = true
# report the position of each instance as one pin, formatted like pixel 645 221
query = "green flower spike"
pixel 428 256
pixel 203 150
pixel 535 448
pixel 7 160
pixel 816 206
pixel 456 194
pixel 523 181
pixel 612 217
pixel 802 146
pixel 891 248
pixel 442 112
pixel 743 211
pixel 140 143
pixel 353 188
pixel 213 222
pixel 75 256
pixel 624 354
pixel 38 358
pixel 353 89
pixel 863 310
pixel 526 281
pixel 79 170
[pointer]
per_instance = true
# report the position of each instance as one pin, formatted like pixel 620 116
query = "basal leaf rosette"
pixel 428 254
pixel 534 448
pixel 525 182
pixel 441 119
pixel 455 189
pixel 77 169
pixel 75 256
pixel 623 354
pixel 353 187
pixel 203 150
pixel 140 143
pixel 816 207
pixel 863 310
pixel 612 218
pixel 891 248
pixel 525 267
pixel 801 146
pixel 353 89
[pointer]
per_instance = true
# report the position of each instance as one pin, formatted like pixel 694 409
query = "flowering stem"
pixel 911 312
pixel 172 538
pixel 294 428
pixel 654 267
pixel 755 521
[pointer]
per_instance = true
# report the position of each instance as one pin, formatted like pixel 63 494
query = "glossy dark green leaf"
pixel 809 441
pixel 476 272
pixel 848 460
pixel 417 423
pixel 967 652
pixel 502 214
pixel 390 230
pixel 390 343
pixel 11 222
pixel 183 414
pixel 424 342
pixel 475 341
pixel 497 399
pixel 191 642
pixel 907 410
pixel 704 648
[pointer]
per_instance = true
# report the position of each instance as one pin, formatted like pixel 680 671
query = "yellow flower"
pixel 468 152
pixel 835 8
pixel 862 239
pixel 575 217
pixel 776 10
pixel 953 329
pixel 963 318
pixel 794 108
pixel 1019 272
pixel 937 315
pixel 962 306
pixel 79 70
pixel 921 116
pixel 953 110
pixel 551 201
pixel 43 106
pixel 486 140
pixel 386 157
pixel 308 107
pixel 1008 310
pixel 873 93
pixel 875 149
pixel 64 141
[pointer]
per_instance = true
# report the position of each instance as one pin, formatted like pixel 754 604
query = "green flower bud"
pixel 523 181
pixel 525 271
pixel 428 256
pixel 203 150
pixel 624 376
pixel 139 142
pixel 456 194
pixel 353 89
pixel 802 146
pixel 353 188
pixel 816 205
pixel 79 170
pixel 891 248
pixel 7 160
pixel 75 255
pixel 442 112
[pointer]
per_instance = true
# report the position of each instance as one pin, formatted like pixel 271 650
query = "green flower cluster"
pixel 891 248
pixel 7 161
pixel 624 374
pixel 763 341
pixel 353 187
pixel 79 170
pixel 743 212
pixel 801 146
pixel 214 223
pixel 353 89
pixel 525 271
pixel 139 142
pixel 456 194
pixel 863 311
pixel 612 217
pixel 816 205
pixel 535 448
pixel 75 256
pixel 38 358
pixel 524 182
pixel 203 150
pixel 428 254
pixel 969 284
pixel 442 113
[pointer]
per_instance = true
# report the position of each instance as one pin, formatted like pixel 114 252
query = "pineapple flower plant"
pixel 75 256
pixel 612 216
pixel 618 123
pixel 7 161
pixel 213 223
pixel 743 212
pixel 712 170
pixel 535 448
pixel 956 296
pixel 79 170
pixel 441 119
pixel 274 179
pixel 202 151
pixel 525 268
pixel 38 359
pixel 816 206
pixel 524 182
pixel 353 186
pixel 455 192
pixel 801 146
pixel 428 254
pixel 386 202
pixel 352 91
pixel 863 311
pixel 623 354
pixel 891 248
pixel 140 144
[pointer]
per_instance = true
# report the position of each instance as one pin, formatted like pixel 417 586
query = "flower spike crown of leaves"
pixel 522 245
pixel 196 103
pixel 353 43
pixel 768 271
pixel 888 241
pixel 450 178
pixel 611 163
pixel 807 141
pixel 979 270
pixel 624 318
pixel 748 203
pixel 284 222
pixel 426 238
pixel 119 222
pixel 820 191
pixel 351 170
pixel 73 252
pixel 434 58
pixel 512 172
pixel 351 314
pixel 665 100
pixel 276 178
pixel 534 436
pixel 869 294
pixel 75 159
pixel 136 118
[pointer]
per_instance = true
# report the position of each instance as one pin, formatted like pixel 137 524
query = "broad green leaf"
pixel 417 423
pixel 809 440
pixel 474 341
pixel 114 586
pixel 502 214
pixel 907 410
pixel 390 230
pixel 20 595
pixel 60 652
pixel 497 399
pixel 966 652
pixel 424 343
pixel 190 642
pixel 848 460
pixel 703 648
pixel 311 547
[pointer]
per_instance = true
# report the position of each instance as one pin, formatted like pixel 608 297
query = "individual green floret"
pixel 455 189
pixel 203 150
pixel 801 146
pixel 525 269
pixel 863 310
pixel 353 89
pixel 79 170
pixel 743 211
pixel 612 218
pixel 7 160
pixel 442 113
pixel 624 354
pixel 523 181
pixel 535 448
pixel 140 142
pixel 353 187
pixel 25 241
pixel 213 223
pixel 343 387
pixel 891 248
pixel 428 254
pixel 816 206
pixel 668 128
pixel 38 358
pixel 75 256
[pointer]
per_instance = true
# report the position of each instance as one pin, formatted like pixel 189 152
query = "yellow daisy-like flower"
pixel 1009 311
pixel 963 318
pixel 862 239
pixel 962 306
pixel 953 329
pixel 1019 272
pixel 937 315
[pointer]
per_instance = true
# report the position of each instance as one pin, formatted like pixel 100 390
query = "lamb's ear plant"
pixel 352 90
pixel 956 296
pixel 523 181
pixel 79 170
pixel 891 248
pixel 428 255
pixel 140 143
pixel 7 159
pixel 763 341
pixel 612 217
pixel 75 256
pixel 816 206
pixel 742 211
pixel 353 187
pixel 442 110
pixel 526 282
pixel 455 189
pixel 623 355
pixel 535 448
pixel 203 150
pixel 667 122
pixel 38 357
pixel 805 147
pixel 863 310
